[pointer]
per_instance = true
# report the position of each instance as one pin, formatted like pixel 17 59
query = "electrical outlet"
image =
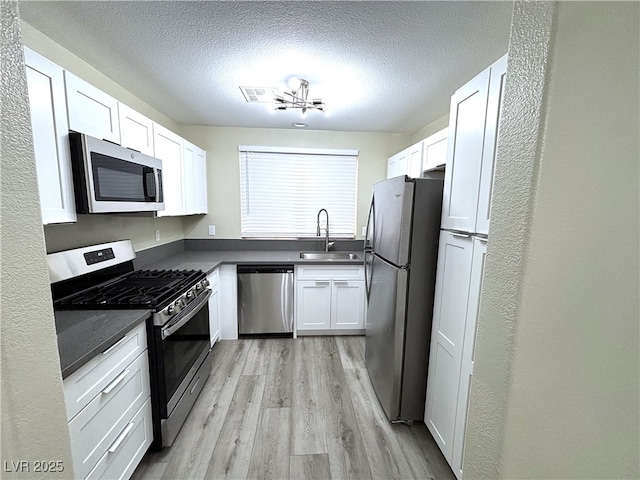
pixel 157 234
pixel 364 231
pixel 212 230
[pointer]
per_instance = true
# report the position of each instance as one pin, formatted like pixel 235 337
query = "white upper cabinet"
pixel 435 150
pixel 168 147
pixel 201 200
pixel 195 179
pixel 136 130
pixel 45 82
pixel 492 132
pixel 90 110
pixel 414 160
pixel 474 118
pixel 397 164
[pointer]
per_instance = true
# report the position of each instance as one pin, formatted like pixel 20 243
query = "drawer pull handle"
pixel 114 446
pixel 318 282
pixel 114 346
pixel 460 235
pixel 339 282
pixel 113 384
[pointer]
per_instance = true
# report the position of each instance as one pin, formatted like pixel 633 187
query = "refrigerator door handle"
pixel 367 284
pixel 371 221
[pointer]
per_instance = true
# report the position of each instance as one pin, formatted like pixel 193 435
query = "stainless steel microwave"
pixel 108 178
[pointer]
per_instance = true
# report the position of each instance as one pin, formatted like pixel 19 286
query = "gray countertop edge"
pixel 209 260
pixel 83 334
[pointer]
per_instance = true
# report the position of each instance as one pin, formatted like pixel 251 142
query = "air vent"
pixel 259 94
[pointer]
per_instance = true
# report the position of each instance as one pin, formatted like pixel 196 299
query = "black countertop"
pixel 83 334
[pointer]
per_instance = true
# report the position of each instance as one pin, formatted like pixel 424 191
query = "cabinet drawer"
pixel 328 272
pixel 214 278
pixel 127 450
pixel 100 423
pixel 84 384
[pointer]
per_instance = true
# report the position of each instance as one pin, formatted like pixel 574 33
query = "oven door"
pixel 182 346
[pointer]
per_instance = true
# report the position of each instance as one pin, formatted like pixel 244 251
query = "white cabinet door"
pixel 397 164
pixel 435 150
pixel 168 148
pixel 195 179
pixel 201 200
pixel 414 160
pixel 136 130
pixel 313 304
pixel 492 132
pixel 90 110
pixel 466 370
pixel 347 304
pixel 45 82
pixel 214 307
pixel 188 158
pixel 464 154
pixel 448 331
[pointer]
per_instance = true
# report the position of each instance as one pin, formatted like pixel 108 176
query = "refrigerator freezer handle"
pixel 371 221
pixel 367 284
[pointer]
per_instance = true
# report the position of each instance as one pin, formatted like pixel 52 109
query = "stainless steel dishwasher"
pixel 265 299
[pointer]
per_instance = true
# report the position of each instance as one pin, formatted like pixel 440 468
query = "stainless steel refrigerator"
pixel 401 250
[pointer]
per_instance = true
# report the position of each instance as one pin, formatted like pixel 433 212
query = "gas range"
pixel 165 292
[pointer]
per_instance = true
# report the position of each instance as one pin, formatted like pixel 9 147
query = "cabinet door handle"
pixel 461 235
pixel 114 446
pixel 482 239
pixel 117 380
pixel 106 352
pixel 318 282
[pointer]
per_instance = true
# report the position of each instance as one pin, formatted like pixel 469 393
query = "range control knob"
pixel 170 310
pixel 190 295
pixel 199 286
pixel 205 283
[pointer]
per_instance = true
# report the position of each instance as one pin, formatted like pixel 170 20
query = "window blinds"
pixel 282 191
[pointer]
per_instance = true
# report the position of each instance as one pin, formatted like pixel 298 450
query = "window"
pixel 282 190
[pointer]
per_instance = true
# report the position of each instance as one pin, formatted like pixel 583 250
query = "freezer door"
pixel 385 332
pixel 391 219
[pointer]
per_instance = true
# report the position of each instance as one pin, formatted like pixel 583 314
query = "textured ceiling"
pixel 379 66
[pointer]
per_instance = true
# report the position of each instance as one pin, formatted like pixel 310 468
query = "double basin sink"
pixel 328 256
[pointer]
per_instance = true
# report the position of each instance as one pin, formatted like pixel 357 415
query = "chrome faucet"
pixel 327 244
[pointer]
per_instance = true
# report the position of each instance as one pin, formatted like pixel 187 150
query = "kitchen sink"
pixel 328 256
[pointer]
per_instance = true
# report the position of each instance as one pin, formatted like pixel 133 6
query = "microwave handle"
pixel 150 191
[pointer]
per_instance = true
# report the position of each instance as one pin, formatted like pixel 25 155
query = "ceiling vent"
pixel 259 94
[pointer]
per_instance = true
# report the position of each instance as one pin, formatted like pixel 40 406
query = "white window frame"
pixel 336 192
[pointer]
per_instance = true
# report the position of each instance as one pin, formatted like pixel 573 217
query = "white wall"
pixel 556 389
pixel 431 128
pixel 34 420
pixel 221 144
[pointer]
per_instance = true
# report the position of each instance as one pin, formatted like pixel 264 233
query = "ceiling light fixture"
pixel 299 125
pixel 297 98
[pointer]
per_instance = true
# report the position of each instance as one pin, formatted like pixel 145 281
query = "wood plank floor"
pixel 293 409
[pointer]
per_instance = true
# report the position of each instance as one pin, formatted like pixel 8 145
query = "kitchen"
pixel 515 459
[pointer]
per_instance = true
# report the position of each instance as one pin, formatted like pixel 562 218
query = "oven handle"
pixel 201 300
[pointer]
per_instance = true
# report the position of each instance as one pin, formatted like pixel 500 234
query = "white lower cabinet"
pixel 330 298
pixel 109 409
pixel 458 287
pixel 214 306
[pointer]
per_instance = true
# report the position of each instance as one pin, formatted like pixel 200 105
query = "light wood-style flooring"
pixel 294 409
